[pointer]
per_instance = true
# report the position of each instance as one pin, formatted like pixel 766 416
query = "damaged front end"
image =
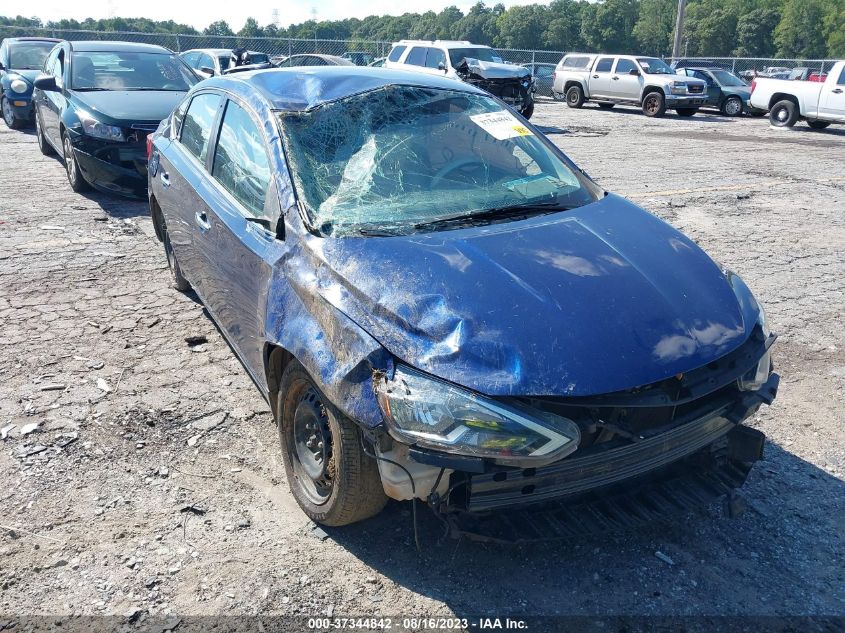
pixel 512 84
pixel 561 467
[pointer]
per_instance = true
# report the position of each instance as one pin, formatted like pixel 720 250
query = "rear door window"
pixel 604 65
pixel 198 122
pixel 576 61
pixel 396 53
pixel 191 59
pixel 841 81
pixel 625 66
pixel 240 160
pixel 416 57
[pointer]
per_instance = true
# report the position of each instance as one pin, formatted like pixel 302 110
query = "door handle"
pixel 165 178
pixel 616 79
pixel 838 91
pixel 202 221
pixel 595 76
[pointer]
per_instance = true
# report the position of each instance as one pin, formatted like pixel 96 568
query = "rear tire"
pixel 575 97
pixel 784 114
pixel 74 175
pixel 654 104
pixel 732 106
pixel 43 144
pixel 818 125
pixel 331 477
pixel 687 112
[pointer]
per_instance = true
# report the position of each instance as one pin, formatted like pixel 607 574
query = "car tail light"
pixel 149 146
pixel 753 85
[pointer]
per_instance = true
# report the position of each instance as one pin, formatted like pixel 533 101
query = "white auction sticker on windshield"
pixel 500 125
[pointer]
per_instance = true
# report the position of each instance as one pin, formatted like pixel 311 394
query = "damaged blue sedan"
pixel 440 306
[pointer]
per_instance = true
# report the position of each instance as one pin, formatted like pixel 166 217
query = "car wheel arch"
pixel 276 360
pixel 782 96
pixel 157 217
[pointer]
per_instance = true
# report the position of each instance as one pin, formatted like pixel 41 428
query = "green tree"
pixel 800 32
pixel 478 26
pixel 251 29
pixel 655 27
pixel 522 26
pixel 221 27
pixel 563 32
pixel 834 28
pixel 755 33
pixel 710 28
pixel 610 28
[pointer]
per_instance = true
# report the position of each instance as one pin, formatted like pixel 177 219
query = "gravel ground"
pixel 133 425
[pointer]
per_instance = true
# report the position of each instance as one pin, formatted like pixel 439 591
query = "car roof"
pixel 217 51
pixel 340 61
pixel 446 43
pixel 111 46
pixel 304 88
pixel 31 39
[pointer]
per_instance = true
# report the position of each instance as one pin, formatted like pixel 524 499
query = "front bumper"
pixel 119 168
pixel 689 101
pixel 21 105
pixel 701 458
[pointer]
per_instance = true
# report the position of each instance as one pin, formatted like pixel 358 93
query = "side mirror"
pixel 441 66
pixel 46 83
pixel 2 67
pixel 634 72
pixel 208 70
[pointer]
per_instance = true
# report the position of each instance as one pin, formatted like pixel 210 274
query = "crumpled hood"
pixel 590 301
pixel 119 107
pixel 495 70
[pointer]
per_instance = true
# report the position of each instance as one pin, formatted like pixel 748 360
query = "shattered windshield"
pixel 397 157
pixel 482 54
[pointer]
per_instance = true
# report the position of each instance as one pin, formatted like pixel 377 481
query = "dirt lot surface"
pixel 132 424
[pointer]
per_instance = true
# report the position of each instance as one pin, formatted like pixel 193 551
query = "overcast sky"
pixel 235 12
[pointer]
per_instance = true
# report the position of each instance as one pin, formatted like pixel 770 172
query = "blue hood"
pixel 599 299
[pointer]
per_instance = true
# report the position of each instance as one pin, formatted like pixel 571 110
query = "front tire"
pixel 818 125
pixel 332 479
pixel 74 175
pixel 654 104
pixel 575 97
pixel 732 106
pixel 784 114
pixel 9 117
pixel 687 112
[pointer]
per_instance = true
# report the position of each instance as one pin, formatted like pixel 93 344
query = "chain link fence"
pixel 750 67
pixel 273 46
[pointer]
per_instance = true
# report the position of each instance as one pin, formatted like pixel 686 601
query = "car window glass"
pixel 545 71
pixel 205 61
pixel 179 118
pixel 191 59
pixel 435 57
pixel 841 81
pixel 700 75
pixel 240 162
pixel 129 70
pixel 416 57
pixel 578 61
pixel 196 128
pixel 604 65
pixel 624 66
pixel 396 53
pixel 59 68
pixel 316 61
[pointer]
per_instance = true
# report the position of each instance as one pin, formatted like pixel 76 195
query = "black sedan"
pixel 96 102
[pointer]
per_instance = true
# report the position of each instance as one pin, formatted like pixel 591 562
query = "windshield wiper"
pixel 513 211
pixel 155 89
pixel 89 89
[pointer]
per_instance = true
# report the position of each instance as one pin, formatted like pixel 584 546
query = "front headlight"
pixel 679 88
pixel 95 128
pixel 19 85
pixel 439 415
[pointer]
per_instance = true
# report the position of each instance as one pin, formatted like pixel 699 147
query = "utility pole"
pixel 679 29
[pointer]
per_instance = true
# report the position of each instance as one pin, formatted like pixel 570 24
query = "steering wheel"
pixel 454 165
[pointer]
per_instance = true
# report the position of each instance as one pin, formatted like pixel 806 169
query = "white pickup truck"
pixel 648 82
pixel 820 104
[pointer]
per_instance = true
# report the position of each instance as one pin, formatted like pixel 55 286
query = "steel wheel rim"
pixel 781 114
pixel 70 161
pixel 573 96
pixel 651 104
pixel 733 107
pixel 310 446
